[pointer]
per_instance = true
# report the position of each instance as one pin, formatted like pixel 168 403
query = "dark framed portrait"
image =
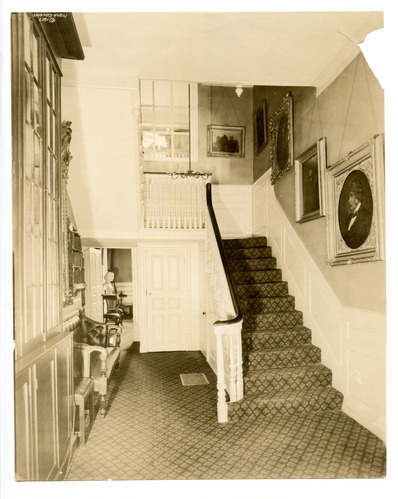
pixel 310 168
pixel 355 193
pixel 281 134
pixel 260 128
pixel 355 210
pixel 226 141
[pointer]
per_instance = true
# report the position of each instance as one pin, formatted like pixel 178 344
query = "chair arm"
pixel 86 352
pixel 114 330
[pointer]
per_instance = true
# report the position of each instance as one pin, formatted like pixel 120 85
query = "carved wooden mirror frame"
pixel 67 264
pixel 281 131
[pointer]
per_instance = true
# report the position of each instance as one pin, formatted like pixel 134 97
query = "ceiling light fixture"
pixel 239 90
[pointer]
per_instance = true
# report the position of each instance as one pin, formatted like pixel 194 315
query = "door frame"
pixel 193 287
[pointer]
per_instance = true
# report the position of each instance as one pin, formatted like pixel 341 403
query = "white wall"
pixel 352 341
pixel 103 174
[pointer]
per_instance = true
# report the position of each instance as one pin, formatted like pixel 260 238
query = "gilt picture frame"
pixel 260 127
pixel 226 141
pixel 281 137
pixel 310 169
pixel 355 190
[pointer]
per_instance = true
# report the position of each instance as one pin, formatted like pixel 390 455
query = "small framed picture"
pixel 310 168
pixel 281 136
pixel 226 141
pixel 260 128
pixel 355 205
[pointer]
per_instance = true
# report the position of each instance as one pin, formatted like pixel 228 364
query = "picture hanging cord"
pixel 348 108
pixel 309 128
pixel 370 99
pixel 219 102
pixel 316 103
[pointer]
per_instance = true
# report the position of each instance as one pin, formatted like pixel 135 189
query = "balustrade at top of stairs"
pixel 282 369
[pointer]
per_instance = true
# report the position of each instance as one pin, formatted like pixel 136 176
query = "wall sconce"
pixel 239 90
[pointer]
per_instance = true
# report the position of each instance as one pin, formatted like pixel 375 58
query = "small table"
pixel 128 310
pixel 84 394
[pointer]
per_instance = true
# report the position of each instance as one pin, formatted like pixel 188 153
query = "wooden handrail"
pixel 234 298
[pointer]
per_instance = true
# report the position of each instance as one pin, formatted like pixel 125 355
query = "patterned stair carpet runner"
pixel 282 370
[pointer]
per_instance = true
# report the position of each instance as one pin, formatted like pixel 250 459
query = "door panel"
pixel 94 290
pixel 167 289
pixel 24 446
pixel 64 395
pixel 45 410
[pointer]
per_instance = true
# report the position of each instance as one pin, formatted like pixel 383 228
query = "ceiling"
pixel 264 48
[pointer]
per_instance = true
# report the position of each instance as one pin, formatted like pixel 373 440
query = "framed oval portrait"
pixel 355 211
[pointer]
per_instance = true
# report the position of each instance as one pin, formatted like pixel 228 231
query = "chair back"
pixel 110 303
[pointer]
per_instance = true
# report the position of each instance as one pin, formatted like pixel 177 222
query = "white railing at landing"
pixel 173 203
pixel 229 324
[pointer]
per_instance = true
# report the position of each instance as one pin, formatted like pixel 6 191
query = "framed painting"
pixel 260 128
pixel 310 168
pixel 281 132
pixel 226 141
pixel 355 205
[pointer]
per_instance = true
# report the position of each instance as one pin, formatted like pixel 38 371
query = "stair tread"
pixel 309 346
pixel 254 373
pixel 264 397
pixel 266 298
pixel 282 312
pixel 271 331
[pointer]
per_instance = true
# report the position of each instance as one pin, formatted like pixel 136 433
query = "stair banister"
pixel 228 328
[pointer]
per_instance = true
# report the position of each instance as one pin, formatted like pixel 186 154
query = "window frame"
pixel 192 124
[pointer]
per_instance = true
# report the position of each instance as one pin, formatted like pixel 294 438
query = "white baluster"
pixel 222 407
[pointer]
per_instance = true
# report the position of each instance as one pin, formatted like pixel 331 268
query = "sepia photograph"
pixel 195 267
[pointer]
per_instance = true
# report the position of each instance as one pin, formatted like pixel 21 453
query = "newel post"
pixel 222 407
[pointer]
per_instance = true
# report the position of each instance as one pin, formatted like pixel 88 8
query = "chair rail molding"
pixel 352 340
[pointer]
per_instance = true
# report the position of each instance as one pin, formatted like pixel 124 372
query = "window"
pixel 37 190
pixel 165 119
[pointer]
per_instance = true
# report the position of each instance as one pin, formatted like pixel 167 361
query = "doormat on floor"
pixel 193 379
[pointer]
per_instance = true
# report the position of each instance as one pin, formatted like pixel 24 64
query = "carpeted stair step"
pixel 258 290
pixel 252 264
pixel 244 253
pixel 255 276
pixel 278 358
pixel 265 305
pixel 249 242
pixel 260 339
pixel 271 381
pixel 286 402
pixel 272 320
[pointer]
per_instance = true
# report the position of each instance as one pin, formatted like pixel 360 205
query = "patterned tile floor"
pixel 157 429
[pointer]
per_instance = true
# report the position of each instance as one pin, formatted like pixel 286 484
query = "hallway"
pixel 157 429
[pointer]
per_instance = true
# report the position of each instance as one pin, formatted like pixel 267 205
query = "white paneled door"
pixel 168 299
pixel 95 283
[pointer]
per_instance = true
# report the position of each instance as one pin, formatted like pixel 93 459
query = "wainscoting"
pixel 233 208
pixel 352 340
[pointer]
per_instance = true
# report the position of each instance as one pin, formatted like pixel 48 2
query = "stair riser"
pixel 261 290
pixel 257 276
pixel 275 407
pixel 253 264
pixel 237 254
pixel 252 242
pixel 267 305
pixel 273 320
pixel 282 382
pixel 275 339
pixel 283 358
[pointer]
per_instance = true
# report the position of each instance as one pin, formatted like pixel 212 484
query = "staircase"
pixel 282 370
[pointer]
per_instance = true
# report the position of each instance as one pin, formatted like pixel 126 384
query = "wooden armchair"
pixel 96 354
